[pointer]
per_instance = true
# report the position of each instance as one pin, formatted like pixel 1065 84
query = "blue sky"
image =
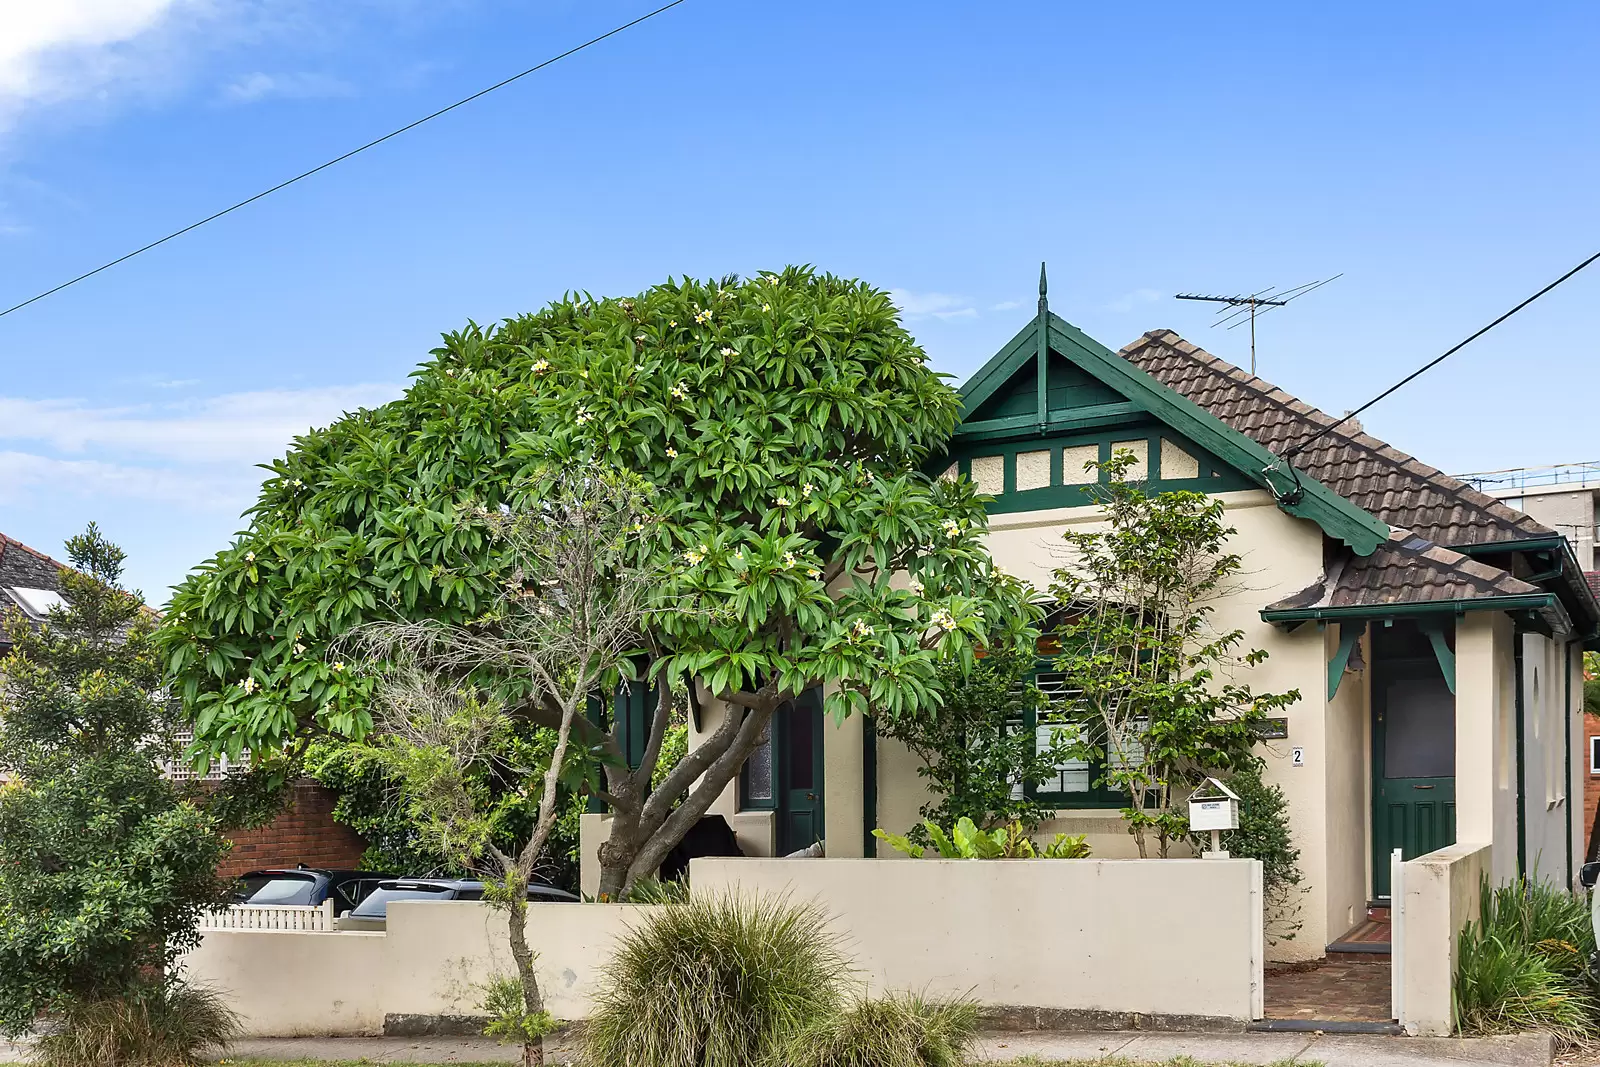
pixel 1442 156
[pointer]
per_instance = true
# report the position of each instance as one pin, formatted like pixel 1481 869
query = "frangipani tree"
pixel 784 422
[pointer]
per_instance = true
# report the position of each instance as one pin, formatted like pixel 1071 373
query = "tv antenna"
pixel 1236 310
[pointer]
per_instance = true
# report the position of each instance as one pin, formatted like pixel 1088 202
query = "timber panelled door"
pixel 784 775
pixel 1413 746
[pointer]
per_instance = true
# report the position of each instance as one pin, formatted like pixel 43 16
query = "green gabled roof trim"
pixel 1338 517
pixel 1524 602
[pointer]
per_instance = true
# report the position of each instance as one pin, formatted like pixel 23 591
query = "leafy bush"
pixel 105 866
pixel 1523 964
pixel 719 981
pixel 372 804
pixel 894 1031
pixel 966 842
pixel 973 753
pixel 1263 834
pixel 509 1019
pixel 162 1025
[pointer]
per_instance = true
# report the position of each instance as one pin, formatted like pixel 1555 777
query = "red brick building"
pixel 305 833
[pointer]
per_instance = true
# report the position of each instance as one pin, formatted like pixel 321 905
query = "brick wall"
pixel 305 833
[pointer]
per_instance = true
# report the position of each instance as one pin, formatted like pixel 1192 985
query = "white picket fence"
pixel 314 919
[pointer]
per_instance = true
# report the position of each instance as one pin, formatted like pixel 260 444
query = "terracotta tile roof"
pixel 1395 487
pixel 1406 569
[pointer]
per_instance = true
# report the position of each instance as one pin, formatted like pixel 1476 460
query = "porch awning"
pixel 1409 575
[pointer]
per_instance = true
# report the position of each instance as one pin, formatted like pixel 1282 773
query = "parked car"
pixel 373 912
pixel 308 886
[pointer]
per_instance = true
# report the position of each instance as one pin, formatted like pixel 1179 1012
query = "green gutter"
pixel 1529 601
pixel 1491 548
pixel 1522 770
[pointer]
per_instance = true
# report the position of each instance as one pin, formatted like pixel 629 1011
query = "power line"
pixel 340 159
pixel 1301 447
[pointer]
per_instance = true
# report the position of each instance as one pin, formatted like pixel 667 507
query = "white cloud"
pixel 232 428
pixel 299 85
pixel 23 474
pixel 1006 305
pixel 1128 301
pixel 57 49
pixel 936 305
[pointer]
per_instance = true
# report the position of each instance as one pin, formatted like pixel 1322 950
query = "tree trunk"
pixel 532 1001
pixel 621 845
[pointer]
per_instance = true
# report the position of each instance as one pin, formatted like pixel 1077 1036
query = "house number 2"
pixel 1298 757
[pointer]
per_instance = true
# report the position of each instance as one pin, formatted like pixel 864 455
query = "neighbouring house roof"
pixel 29 581
pixel 1397 488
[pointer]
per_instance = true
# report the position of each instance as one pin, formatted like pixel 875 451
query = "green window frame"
pixel 1095 794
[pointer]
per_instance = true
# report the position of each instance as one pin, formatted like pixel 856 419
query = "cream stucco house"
pixel 1433 632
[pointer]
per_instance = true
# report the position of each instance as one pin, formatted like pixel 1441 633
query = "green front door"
pixel 797 751
pixel 1413 762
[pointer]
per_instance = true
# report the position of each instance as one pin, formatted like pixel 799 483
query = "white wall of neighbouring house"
pixel 1549 715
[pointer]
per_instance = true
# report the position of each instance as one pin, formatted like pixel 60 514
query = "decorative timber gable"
pixel 1054 399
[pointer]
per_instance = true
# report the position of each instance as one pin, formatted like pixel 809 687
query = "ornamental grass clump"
pixel 1523 964
pixel 718 981
pixel 163 1025
pixel 899 1030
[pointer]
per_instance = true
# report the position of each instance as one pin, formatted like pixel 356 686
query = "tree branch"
pixel 716 779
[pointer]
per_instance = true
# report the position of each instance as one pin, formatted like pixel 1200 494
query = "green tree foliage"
pixel 783 421
pixel 975 751
pixel 371 802
pixel 104 866
pixel 1264 834
pixel 1157 698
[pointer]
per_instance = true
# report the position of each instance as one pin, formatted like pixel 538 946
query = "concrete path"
pixel 1330 1050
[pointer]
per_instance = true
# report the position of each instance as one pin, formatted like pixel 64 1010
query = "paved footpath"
pixel 1331 1050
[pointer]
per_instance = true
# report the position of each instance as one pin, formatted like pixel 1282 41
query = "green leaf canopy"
pixel 784 422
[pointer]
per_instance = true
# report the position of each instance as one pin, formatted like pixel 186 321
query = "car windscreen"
pixel 285 889
pixel 376 905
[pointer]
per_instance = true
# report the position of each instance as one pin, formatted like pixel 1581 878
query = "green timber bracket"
pixel 1338 517
pixel 1433 626
pixel 1349 634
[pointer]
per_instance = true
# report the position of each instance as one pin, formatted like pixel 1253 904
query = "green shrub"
pixel 1264 835
pixel 719 981
pixel 1523 964
pixel 966 842
pixel 509 1019
pixel 171 1025
pixel 894 1031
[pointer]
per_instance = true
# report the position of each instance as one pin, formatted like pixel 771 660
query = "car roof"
pixel 429 883
pixel 332 872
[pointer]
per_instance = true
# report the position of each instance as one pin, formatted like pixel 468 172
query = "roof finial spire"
pixel 1044 303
